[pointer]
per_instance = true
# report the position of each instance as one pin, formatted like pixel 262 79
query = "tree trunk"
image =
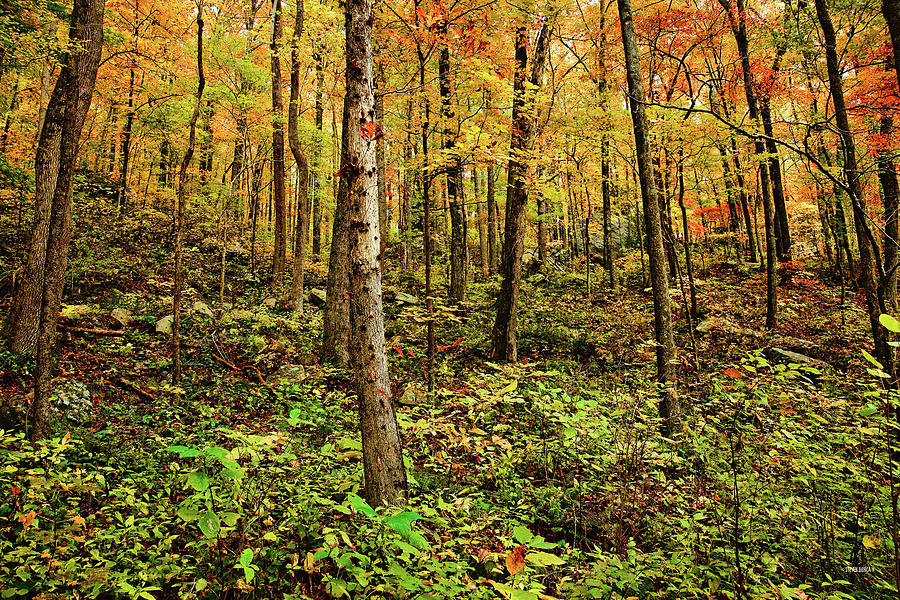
pixel 887 175
pixel 73 92
pixel 481 209
pixel 493 248
pixel 503 337
pixel 336 317
pixel 869 271
pixel 319 175
pixel 20 331
pixel 301 230
pixel 182 200
pixel 739 29
pixel 782 226
pixel 385 477
pixel 669 408
pixel 278 193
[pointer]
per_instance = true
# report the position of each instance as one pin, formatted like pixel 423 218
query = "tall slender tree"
pixel 669 407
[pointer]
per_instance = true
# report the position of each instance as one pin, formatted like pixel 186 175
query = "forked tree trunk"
pixel 20 331
pixel 503 347
pixel 385 477
pixel 669 407
pixel 296 296
pixel 73 93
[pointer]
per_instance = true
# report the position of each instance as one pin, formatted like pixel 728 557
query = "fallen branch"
pixel 92 331
pixel 237 368
pixel 124 383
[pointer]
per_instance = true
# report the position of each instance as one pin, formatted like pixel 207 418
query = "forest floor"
pixel 547 478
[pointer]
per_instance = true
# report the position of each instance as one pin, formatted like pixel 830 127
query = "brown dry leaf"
pixel 515 561
pixel 77 520
pixel 66 439
pixel 27 519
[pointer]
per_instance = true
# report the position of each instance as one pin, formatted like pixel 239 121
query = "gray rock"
pixel 403 298
pixel 270 302
pixel 288 374
pixel 317 297
pixel 709 324
pixel 203 308
pixel 537 279
pixel 783 356
pixel 165 324
pixel 413 395
pixel 73 401
pixel 122 316
pixel 798 345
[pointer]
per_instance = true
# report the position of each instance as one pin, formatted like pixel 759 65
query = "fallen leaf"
pixel 27 519
pixel 515 561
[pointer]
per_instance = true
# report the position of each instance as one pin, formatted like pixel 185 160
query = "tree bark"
pixel 503 347
pixel 458 258
pixel 739 29
pixel 385 477
pixel 491 200
pixel 301 230
pixel 319 175
pixel 278 193
pixel 75 88
pixel 868 269
pixel 336 317
pixel 669 407
pixel 482 226
pixel 182 201
pixel 20 331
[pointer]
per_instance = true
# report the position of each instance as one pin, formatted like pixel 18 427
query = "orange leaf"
pixel 27 519
pixel 516 560
pixel 733 373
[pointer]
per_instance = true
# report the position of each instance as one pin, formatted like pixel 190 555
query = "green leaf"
pixel 402 523
pixel 360 505
pixel 544 559
pixel 209 524
pixel 246 556
pixel 867 410
pixel 512 593
pixel 889 323
pixel 184 451
pixel 510 388
pixel 198 480
pixel 522 534
pixel 188 513
pixel 872 359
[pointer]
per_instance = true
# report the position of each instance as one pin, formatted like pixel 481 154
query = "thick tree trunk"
pixel 745 202
pixel 385 477
pixel 75 88
pixel 869 271
pixel 503 347
pixel 336 317
pixel 278 193
pixel 669 407
pixel 182 201
pixel 302 229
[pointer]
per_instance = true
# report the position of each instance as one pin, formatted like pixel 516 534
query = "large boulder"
pixel 122 316
pixel 289 374
pixel 203 308
pixel 165 324
pixel 73 401
pixel 317 297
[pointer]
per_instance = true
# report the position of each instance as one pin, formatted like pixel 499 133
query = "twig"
pixel 92 331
